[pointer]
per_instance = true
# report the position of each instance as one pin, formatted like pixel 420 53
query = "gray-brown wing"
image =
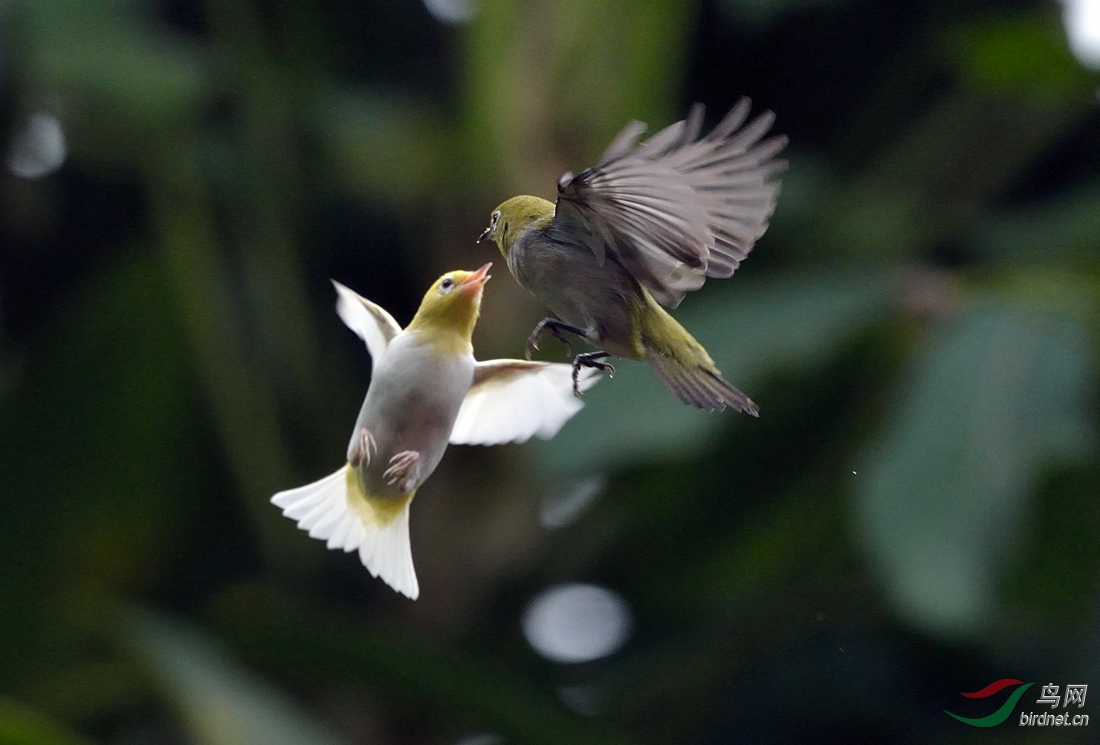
pixel 677 209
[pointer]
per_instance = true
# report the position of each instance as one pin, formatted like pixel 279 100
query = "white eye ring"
pixel 446 285
pixel 496 219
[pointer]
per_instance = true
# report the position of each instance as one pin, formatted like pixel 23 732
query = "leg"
pixel 556 329
pixel 403 470
pixel 590 359
pixel 363 447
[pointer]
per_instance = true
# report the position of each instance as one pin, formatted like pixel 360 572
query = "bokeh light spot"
pixel 563 508
pixel 1082 20
pixel 576 623
pixel 452 12
pixel 39 148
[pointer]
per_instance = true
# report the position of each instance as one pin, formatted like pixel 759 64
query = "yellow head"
pixel 449 310
pixel 512 217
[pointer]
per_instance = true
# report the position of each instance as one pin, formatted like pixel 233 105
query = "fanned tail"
pixel 700 387
pixel 336 510
pixel 684 366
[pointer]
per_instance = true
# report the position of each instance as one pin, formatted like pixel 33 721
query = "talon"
pixel 591 359
pixel 556 329
pixel 402 469
pixel 362 449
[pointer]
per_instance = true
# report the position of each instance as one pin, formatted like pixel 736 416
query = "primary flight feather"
pixel 426 391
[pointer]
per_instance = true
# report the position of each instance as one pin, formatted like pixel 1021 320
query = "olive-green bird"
pixel 648 223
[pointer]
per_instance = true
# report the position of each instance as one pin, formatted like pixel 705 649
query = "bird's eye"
pixel 446 284
pixel 495 219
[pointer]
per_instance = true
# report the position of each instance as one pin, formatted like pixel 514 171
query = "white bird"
pixel 426 390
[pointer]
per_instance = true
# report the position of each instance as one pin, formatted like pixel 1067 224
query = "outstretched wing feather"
pixel 676 205
pixel 514 400
pixel 368 320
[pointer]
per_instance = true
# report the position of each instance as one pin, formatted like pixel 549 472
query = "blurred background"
pixel 914 515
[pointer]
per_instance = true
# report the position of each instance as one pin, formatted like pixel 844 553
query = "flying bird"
pixel 648 223
pixel 426 391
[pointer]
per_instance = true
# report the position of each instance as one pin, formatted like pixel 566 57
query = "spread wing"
pixel 369 321
pixel 512 400
pixel 676 209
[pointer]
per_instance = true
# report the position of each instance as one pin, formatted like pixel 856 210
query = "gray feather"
pixel 676 209
pixel 696 386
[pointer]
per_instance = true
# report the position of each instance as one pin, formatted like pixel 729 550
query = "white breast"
pixel 413 401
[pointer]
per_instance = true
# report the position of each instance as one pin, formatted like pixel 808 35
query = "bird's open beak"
pixel 477 280
pixel 485 235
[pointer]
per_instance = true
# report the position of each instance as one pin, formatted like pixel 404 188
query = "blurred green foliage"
pixel 915 513
pixel 18 725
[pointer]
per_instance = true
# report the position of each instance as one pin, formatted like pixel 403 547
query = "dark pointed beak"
pixel 485 235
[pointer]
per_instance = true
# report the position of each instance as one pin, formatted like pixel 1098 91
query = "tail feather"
pixel 697 386
pixel 335 510
pixel 683 365
pixel 341 534
pixel 389 556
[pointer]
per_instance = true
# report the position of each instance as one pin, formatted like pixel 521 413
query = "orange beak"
pixel 477 280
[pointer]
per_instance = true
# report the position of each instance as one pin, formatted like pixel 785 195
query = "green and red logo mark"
pixel 1002 713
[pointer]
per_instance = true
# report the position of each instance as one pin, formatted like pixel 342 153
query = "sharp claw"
pixel 364 449
pixel 531 345
pixel 401 469
pixel 556 329
pixel 591 359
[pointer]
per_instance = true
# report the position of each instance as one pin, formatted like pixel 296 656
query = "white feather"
pixel 513 400
pixel 323 509
pixel 389 556
pixel 369 321
pixel 342 532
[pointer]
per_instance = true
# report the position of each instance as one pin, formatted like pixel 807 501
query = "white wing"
pixel 513 400
pixel 369 321
pixel 676 209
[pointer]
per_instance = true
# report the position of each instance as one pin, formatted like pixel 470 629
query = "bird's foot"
pixel 362 449
pixel 590 359
pixel 556 329
pixel 403 470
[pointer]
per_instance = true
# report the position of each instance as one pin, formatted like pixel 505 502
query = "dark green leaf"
pixel 995 394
